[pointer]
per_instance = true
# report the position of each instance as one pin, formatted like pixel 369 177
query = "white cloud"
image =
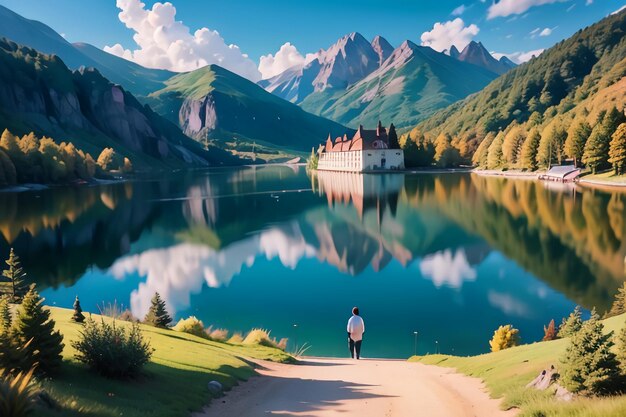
pixel 505 8
pixel 453 32
pixel 508 304
pixel 588 2
pixel 546 32
pixel 570 8
pixel 459 10
pixel 163 42
pixel 444 268
pixel 619 10
pixel 286 57
pixel 534 31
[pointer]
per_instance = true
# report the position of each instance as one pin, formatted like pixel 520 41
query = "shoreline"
pixel 581 181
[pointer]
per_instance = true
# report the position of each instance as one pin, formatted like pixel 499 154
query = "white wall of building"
pixel 359 161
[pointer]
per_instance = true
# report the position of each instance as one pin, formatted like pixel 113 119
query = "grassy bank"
pixel 507 372
pixel 174 382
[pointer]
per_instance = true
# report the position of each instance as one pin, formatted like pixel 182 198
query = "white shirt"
pixel 356 328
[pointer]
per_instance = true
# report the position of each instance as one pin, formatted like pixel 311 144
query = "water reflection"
pixel 268 246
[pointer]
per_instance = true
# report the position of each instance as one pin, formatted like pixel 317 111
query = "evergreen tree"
pixel 589 365
pixel 5 313
pixel 596 150
pixel 620 342
pixel 393 137
pixel 157 315
pixel 15 275
pixel 549 332
pixel 33 326
pixel 577 136
pixel 78 315
pixel 529 150
pixel 551 144
pixel 619 303
pixel 495 157
pixel 572 324
pixel 479 159
pixel 442 144
pixel 512 145
pixel 617 149
pixel 8 174
pixel 612 119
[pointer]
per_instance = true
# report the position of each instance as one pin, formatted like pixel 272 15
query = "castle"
pixel 368 150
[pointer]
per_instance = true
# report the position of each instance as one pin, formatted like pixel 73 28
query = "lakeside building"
pixel 368 150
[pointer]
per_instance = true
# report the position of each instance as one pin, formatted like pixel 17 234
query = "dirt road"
pixel 343 387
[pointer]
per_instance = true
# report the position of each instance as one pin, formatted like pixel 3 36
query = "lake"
pixel 450 256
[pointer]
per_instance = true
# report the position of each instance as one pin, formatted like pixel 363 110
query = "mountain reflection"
pixel 191 231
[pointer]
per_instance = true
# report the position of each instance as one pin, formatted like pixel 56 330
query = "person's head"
pixel 355 311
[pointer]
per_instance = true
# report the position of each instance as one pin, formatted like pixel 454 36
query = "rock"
pixel 215 388
pixel 544 379
pixel 563 394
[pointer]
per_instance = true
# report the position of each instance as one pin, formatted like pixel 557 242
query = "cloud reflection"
pixel 446 268
pixel 178 271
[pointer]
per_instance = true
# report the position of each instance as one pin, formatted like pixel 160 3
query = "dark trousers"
pixel 355 347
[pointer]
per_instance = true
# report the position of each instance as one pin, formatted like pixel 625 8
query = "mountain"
pixel 135 78
pixel 506 61
pixel 39 93
pixel 475 53
pixel 344 63
pixel 454 52
pixel 412 83
pixel 578 78
pixel 215 102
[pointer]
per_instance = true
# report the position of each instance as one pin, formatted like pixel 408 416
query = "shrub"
pixel 589 365
pixel 192 326
pixel 157 315
pixel 504 337
pixel 549 332
pixel 219 335
pixel 5 313
pixel 236 339
pixel 34 330
pixel 16 395
pixel 111 351
pixel 127 315
pixel 572 324
pixel 261 337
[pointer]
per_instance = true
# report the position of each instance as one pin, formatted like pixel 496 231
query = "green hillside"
pixel 576 80
pixel 236 112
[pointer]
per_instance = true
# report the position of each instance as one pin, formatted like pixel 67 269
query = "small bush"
pixel 549 331
pixel 620 342
pixel 78 315
pixel 619 303
pixel 127 315
pixel 504 337
pixel 236 339
pixel 572 324
pixel 219 335
pixel 192 326
pixel 16 394
pixel 111 351
pixel 262 337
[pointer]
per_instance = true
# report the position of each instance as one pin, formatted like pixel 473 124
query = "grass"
pixel 507 372
pixel 607 177
pixel 174 382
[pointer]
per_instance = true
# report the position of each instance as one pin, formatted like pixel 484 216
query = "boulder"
pixel 215 388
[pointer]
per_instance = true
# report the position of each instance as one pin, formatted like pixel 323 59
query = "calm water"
pixel 450 256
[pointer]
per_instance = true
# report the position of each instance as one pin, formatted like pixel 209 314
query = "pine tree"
pixel 15 275
pixel 620 342
pixel 78 315
pixel 504 337
pixel 479 159
pixel 393 138
pixel 596 150
pixel 512 145
pixel 589 365
pixel 157 315
pixel 619 303
pixel 549 332
pixel 617 149
pixel 33 326
pixel 577 136
pixel 495 157
pixel 529 150
pixel 572 324
pixel 5 313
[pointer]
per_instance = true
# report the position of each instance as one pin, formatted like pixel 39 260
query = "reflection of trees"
pixel 570 240
pixel 61 233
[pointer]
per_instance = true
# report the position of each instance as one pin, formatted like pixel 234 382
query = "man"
pixel 356 328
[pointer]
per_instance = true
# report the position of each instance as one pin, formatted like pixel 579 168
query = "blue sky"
pixel 261 27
